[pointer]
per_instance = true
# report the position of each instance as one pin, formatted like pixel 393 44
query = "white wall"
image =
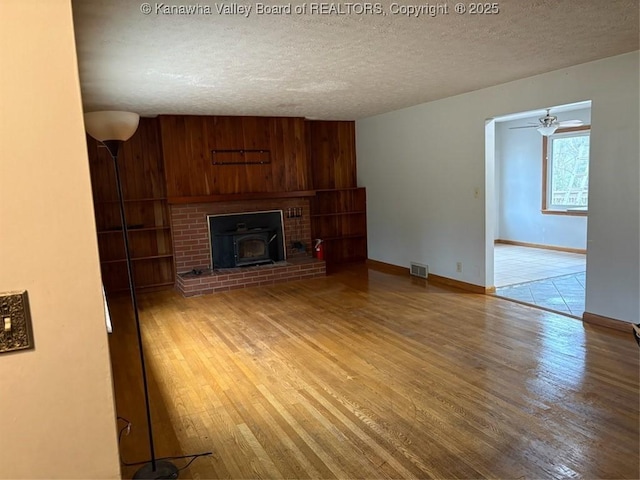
pixel 519 163
pixel 57 417
pixel 422 164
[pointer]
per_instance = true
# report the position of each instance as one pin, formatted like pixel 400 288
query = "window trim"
pixel 545 177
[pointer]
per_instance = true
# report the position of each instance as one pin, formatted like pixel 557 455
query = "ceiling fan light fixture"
pixel 546 131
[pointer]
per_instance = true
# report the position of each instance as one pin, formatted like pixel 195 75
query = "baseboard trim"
pixel 431 278
pixel 544 247
pixel 450 282
pixel 388 267
pixel 594 319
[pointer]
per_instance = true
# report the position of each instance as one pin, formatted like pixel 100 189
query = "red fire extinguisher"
pixel 318 249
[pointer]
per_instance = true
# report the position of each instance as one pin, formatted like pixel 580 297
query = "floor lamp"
pixel 112 129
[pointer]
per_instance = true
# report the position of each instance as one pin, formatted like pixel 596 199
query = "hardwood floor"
pixel 365 374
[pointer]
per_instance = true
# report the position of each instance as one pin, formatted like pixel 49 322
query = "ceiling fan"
pixel 549 124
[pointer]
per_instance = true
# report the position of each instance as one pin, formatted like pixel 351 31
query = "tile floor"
pixel 546 278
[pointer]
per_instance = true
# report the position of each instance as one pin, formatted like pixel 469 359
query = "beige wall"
pixel 57 414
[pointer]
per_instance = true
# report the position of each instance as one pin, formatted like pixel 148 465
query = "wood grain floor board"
pixel 382 434
pixel 363 439
pixel 365 374
pixel 304 449
pixel 329 381
pixel 303 467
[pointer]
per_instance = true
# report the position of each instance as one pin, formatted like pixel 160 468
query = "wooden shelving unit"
pixel 146 208
pixel 339 207
pixel 339 218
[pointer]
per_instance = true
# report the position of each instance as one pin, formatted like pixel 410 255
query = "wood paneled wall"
pixel 188 142
pixel 331 149
pixel 143 187
pixel 169 160
pixel 140 163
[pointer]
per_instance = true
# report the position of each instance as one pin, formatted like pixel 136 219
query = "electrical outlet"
pixel 15 322
pixel 459 267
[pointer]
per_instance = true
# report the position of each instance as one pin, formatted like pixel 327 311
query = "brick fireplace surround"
pixel 191 248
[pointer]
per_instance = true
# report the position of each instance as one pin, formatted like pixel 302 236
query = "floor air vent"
pixel 419 270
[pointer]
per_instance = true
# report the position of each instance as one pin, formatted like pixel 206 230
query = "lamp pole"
pixel 154 469
pixel 112 129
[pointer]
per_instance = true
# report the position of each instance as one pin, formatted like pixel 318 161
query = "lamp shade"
pixel 111 125
pixel 546 131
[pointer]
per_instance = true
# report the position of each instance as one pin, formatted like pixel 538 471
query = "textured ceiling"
pixel 329 66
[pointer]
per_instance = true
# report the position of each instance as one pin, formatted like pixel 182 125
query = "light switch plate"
pixel 15 322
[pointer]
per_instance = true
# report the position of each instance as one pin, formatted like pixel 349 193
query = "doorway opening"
pixel 540 207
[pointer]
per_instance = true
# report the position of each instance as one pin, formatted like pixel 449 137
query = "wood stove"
pixel 252 248
pixel 240 240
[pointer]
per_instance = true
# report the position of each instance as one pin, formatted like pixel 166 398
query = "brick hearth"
pixel 191 247
pixel 299 268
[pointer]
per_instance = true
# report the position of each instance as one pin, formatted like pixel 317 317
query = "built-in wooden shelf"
pixel 135 259
pixel 130 200
pixel 358 212
pixel 323 190
pixel 144 287
pixel 147 212
pixel 134 229
pixel 338 217
pixel 343 237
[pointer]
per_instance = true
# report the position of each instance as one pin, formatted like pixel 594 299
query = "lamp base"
pixel 164 469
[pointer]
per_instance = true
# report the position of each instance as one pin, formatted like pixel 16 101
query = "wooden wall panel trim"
pixel 302 162
pixel 187 142
pixel 332 154
pixel 240 196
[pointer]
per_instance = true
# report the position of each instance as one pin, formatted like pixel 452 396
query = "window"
pixel 566 171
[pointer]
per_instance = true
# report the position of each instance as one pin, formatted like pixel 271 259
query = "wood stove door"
pixel 251 248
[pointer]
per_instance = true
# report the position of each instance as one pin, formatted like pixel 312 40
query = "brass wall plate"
pixel 15 322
